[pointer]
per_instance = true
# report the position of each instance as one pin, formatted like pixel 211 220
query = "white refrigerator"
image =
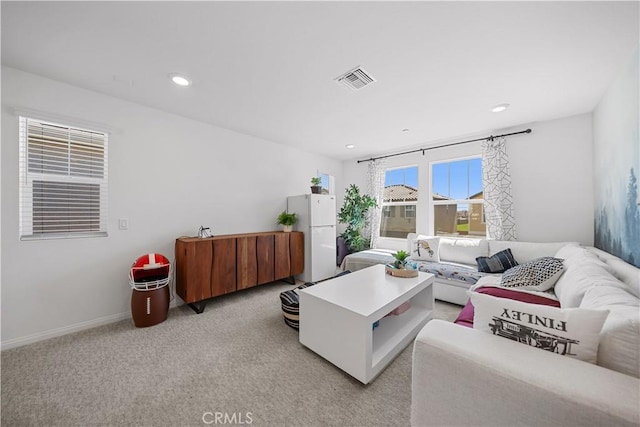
pixel 316 215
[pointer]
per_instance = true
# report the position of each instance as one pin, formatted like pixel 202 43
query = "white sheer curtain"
pixel 496 179
pixel 375 188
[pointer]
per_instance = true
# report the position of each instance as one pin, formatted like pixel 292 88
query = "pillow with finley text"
pixel 573 332
pixel 425 249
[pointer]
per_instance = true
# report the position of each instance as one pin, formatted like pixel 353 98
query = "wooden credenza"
pixel 209 267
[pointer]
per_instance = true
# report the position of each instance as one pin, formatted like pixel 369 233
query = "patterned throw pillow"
pixel 573 332
pixel 496 263
pixel 536 275
pixel 425 249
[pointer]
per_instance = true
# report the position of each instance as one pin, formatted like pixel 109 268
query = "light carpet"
pixel 238 359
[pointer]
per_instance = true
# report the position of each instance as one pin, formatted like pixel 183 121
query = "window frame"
pixel 434 203
pixel 391 204
pixel 414 206
pixel 27 179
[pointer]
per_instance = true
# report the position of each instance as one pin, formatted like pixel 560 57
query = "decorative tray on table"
pixel 399 272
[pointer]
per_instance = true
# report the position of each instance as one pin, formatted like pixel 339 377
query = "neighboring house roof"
pixel 406 193
pixel 400 193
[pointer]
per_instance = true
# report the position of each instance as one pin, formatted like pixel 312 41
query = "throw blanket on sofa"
pixel 359 260
pixel 451 271
pixel 442 270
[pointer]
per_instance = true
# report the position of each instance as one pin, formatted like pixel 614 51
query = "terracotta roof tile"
pixel 400 193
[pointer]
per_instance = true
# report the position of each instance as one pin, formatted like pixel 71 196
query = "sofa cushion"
pixel 568 332
pixel 575 254
pixel 600 296
pixel 465 318
pixel 525 251
pixel 496 263
pixel 578 277
pixel 620 340
pixel 627 273
pixel 620 336
pixel 463 251
pixel 424 248
pixel 539 274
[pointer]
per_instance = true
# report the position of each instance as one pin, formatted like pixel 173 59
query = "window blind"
pixel 63 181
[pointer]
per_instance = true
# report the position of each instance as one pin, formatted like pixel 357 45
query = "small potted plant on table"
pixel 287 220
pixel 398 268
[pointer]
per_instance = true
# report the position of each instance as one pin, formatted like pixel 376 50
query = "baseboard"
pixel 77 327
pixel 52 333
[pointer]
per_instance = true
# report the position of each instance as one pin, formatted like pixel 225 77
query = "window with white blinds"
pixel 63 181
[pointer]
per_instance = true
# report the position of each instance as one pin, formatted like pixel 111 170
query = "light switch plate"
pixel 123 224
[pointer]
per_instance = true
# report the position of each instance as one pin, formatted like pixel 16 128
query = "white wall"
pixel 552 178
pixel 552 171
pixel 167 175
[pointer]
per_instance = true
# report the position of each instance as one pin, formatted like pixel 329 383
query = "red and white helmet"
pixel 151 261
pixel 150 271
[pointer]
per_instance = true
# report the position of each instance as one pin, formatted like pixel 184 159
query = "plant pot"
pixel 341 249
pixel 316 189
pixel 287 228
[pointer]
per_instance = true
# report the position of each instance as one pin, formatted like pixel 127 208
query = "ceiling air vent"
pixel 356 79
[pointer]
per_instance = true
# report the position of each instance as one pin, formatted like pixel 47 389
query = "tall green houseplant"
pixel 354 214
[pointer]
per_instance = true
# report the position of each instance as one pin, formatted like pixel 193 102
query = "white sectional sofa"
pixel 464 376
pixel 457 255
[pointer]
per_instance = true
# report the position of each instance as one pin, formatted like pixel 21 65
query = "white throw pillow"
pixel 425 248
pixel 573 332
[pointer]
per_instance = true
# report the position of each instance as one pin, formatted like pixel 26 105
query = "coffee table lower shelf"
pixel 337 317
pixel 397 332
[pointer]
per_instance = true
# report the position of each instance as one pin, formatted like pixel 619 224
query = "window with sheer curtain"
pixel 63 181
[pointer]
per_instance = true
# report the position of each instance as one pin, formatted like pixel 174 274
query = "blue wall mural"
pixel 617 165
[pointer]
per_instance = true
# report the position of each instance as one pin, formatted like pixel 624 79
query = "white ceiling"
pixel 267 68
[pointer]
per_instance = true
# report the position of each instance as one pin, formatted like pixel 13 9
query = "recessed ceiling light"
pixel 180 80
pixel 350 146
pixel 500 107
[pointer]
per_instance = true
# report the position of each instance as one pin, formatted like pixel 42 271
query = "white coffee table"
pixel 337 316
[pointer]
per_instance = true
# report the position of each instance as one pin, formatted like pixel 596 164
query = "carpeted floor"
pixel 238 359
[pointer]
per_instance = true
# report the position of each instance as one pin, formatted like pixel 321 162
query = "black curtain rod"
pixel 444 145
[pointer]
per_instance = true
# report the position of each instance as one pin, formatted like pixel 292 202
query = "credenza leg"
pixel 197 309
pixel 291 280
